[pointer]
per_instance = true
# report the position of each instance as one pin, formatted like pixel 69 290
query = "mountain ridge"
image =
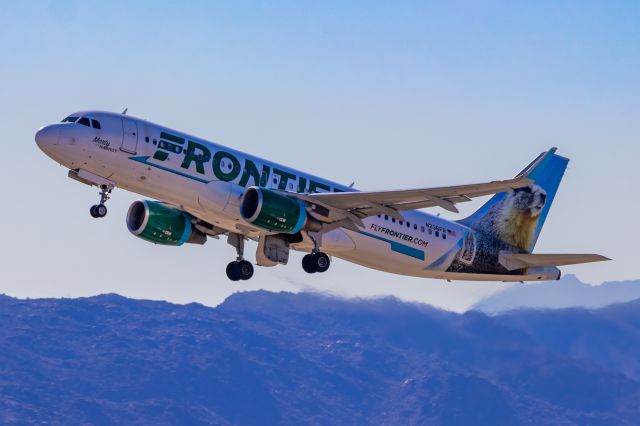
pixel 566 293
pixel 284 358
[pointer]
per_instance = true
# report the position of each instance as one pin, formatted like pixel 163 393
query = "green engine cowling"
pixel 159 223
pixel 270 210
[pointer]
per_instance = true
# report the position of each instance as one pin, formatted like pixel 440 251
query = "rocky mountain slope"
pixel 266 358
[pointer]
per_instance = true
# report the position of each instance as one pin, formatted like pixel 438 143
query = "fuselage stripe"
pixel 397 247
pixel 144 159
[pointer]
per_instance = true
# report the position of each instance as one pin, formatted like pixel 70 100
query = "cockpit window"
pixel 95 124
pixel 84 121
pixel 70 119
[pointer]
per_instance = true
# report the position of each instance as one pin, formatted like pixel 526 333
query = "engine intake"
pixel 159 223
pixel 270 210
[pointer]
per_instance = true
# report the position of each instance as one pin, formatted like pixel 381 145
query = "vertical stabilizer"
pixel 516 217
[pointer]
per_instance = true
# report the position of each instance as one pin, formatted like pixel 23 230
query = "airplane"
pixel 199 189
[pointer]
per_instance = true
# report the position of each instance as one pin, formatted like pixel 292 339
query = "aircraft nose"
pixel 47 136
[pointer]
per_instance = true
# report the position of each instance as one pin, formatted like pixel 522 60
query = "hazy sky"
pixel 386 94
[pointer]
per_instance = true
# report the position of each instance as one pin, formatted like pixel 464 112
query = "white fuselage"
pixel 207 180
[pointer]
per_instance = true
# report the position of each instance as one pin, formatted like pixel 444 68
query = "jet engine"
pixel 160 223
pixel 275 212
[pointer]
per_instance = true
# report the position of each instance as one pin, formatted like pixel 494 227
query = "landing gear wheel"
pixel 239 270
pixel 100 210
pixel 307 264
pixel 233 272
pixel 321 262
pixel 315 262
pixel 245 269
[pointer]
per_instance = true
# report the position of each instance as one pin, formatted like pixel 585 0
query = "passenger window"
pixel 393 220
pixel 408 225
pixel 401 222
pixel 437 234
pixel 95 124
pixel 415 226
pixel 84 121
pixel 146 139
pixel 386 217
pixel 429 231
pixel 444 236
pixel 422 229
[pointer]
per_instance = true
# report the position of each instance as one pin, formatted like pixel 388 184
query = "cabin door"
pixel 129 136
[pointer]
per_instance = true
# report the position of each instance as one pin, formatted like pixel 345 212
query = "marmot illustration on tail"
pixel 513 220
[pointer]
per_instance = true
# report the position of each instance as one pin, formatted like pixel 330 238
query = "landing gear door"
pixel 129 136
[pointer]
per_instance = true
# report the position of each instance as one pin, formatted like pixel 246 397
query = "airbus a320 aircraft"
pixel 207 190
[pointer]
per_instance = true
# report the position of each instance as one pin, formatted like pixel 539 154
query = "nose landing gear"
pixel 239 269
pixel 100 210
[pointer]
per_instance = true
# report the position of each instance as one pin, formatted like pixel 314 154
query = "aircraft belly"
pixel 214 196
pixel 337 241
pixel 383 254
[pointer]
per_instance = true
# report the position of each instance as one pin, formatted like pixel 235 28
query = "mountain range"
pixel 282 358
pixel 568 292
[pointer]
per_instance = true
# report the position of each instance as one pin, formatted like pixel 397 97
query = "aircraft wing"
pixel 411 199
pixel 513 261
pixel 347 209
pixel 354 206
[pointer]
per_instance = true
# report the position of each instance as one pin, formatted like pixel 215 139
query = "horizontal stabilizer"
pixel 513 261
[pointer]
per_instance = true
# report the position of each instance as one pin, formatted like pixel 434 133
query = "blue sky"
pixel 386 94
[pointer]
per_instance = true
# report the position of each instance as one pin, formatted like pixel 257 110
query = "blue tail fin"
pixel 516 217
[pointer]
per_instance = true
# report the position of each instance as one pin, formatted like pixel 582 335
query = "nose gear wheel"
pixel 100 210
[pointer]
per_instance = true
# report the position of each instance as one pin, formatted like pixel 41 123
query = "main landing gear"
pixel 100 210
pixel 316 261
pixel 239 269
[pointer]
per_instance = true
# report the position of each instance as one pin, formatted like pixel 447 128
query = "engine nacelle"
pixel 159 223
pixel 267 209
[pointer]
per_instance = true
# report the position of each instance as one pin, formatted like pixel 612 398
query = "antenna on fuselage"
pixel 125 111
pixel 352 183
